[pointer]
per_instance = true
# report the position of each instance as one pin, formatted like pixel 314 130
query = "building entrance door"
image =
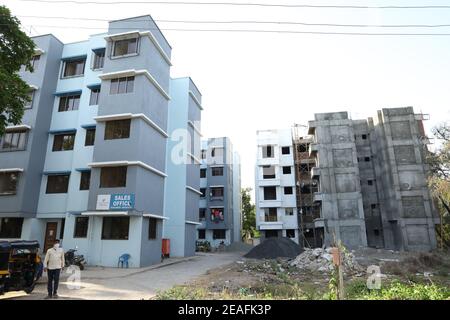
pixel 50 235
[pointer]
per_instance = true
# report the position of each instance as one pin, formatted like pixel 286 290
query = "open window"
pixel 125 47
pixel 268 172
pixel 8 182
pixel 270 215
pixel 14 140
pixel 267 152
pixel 98 59
pixel 73 67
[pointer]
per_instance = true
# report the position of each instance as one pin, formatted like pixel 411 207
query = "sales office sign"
pixel 118 201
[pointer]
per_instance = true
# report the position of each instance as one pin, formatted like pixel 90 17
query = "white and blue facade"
pixel 220 186
pixel 93 171
pixel 275 185
pixel 182 194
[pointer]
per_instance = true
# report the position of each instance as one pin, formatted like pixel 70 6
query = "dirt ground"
pixel 250 278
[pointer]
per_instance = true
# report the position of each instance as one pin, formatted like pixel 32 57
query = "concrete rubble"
pixel 321 260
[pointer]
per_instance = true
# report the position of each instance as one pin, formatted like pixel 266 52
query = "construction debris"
pixel 273 248
pixel 321 260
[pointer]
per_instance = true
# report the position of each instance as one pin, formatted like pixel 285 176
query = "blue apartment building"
pixel 220 186
pixel 90 163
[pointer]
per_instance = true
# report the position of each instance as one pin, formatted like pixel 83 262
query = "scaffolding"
pixel 306 186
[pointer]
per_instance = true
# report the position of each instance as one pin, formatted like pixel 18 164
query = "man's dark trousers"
pixel 53 281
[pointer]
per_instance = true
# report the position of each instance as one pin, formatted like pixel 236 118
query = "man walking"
pixel 53 263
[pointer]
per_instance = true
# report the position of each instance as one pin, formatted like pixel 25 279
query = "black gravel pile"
pixel 273 248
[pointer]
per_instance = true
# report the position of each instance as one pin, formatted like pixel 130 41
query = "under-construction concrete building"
pixel 364 182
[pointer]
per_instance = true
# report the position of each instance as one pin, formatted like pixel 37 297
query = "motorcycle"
pixel 72 258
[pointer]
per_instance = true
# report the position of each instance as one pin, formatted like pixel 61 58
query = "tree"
pixel 16 50
pixel 248 215
pixel 439 180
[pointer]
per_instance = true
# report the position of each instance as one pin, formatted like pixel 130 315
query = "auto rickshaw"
pixel 20 265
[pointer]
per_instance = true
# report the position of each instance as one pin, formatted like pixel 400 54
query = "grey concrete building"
pixel 220 208
pixel 372 180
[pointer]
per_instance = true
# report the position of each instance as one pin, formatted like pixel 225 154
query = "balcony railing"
pixel 270 218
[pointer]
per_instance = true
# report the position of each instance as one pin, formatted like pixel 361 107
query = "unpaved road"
pixel 143 285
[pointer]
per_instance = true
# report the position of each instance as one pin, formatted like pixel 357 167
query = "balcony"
pixel 313 148
pixel 270 203
pixel 315 172
pixel 318 197
pixel 271 225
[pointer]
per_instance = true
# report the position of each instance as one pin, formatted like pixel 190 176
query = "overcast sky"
pixel 252 81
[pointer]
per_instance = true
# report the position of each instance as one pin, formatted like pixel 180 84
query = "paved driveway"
pixel 110 283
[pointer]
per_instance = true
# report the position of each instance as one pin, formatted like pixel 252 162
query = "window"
pixel 267 152
pixel 115 228
pixel 63 142
pixel 366 159
pixel 74 68
pixel 286 170
pixel 29 104
pixel 268 172
pixel 11 228
pixel 90 137
pixel 14 140
pixel 57 183
pixel 85 180
pixel 8 183
pixel 219 234
pixel 202 214
pixel 113 177
pixel 124 47
pixel 285 150
pixel 35 62
pixel 217 171
pixel 364 136
pixel 289 211
pixel 69 103
pixel 376 232
pixel 217 152
pixel 202 173
pixel 117 129
pixel 201 234
pixel 270 215
pixel 152 228
pixel 290 233
pixel 203 154
pixel 122 85
pixel 370 182
pixel 270 193
pixel 81 227
pixel 99 59
pixel 217 215
pixel 373 206
pixel 217 192
pixel 95 94
pixel 203 192
pixel 288 190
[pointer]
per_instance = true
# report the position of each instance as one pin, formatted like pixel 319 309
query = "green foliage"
pixel 182 293
pixel 16 50
pixel 401 291
pixel 248 215
pixel 439 162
